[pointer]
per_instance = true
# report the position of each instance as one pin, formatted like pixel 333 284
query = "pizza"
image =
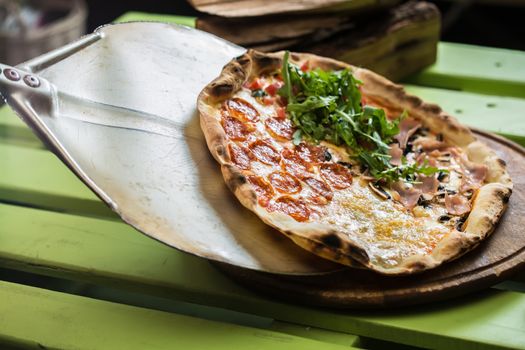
pixel 348 165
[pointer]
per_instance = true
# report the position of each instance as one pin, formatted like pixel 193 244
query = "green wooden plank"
pixel 9 118
pixel 502 115
pixel 316 333
pixel 154 17
pixel 13 130
pixel 476 69
pixel 43 319
pixel 111 253
pixel 36 177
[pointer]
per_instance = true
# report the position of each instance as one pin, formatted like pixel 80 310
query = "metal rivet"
pixel 12 74
pixel 31 81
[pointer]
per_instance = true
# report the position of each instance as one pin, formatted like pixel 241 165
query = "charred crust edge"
pixel 504 196
pixel 233 75
pixel 265 63
pixel 332 240
pixel 235 178
pixel 417 266
pixel 358 253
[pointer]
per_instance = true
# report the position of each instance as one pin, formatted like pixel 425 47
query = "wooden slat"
pixel 250 8
pixel 111 253
pixel 154 17
pixel 476 69
pixel 42 319
pixel 35 177
pixel 14 131
pixel 502 115
pixel 397 45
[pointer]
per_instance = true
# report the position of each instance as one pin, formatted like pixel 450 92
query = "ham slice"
pixel 428 184
pixel 407 195
pixel 429 144
pixel 457 204
pixel 395 153
pixel 474 177
pixel 474 174
pixel 427 159
pixel 407 128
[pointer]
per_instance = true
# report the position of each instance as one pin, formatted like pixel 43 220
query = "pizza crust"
pixel 487 208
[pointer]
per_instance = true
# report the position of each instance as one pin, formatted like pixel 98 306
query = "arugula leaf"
pixel 327 106
pixel 286 91
pixel 407 172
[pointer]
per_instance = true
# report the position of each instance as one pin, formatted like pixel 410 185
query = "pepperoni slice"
pixel 323 192
pixel 293 164
pixel 312 153
pixel 262 188
pixel 240 156
pixel 240 109
pixel 264 152
pixel 336 175
pixel 235 129
pixel 280 128
pixel 284 182
pixel 295 207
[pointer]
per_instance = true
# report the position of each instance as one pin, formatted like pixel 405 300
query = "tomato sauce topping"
pixel 293 164
pixel 280 128
pixel 240 156
pixel 284 182
pixel 305 67
pixel 242 110
pixel 336 175
pixel 264 152
pixel 295 207
pixel 262 188
pixel 235 129
pixel 255 84
pixel 323 192
pixel 273 88
pixel 281 112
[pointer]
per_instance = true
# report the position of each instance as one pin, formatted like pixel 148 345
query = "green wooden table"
pixel 73 276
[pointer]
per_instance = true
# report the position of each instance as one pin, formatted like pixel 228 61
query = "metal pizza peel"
pixel 118 107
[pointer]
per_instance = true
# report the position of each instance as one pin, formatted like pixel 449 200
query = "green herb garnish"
pixel 327 106
pixel 408 172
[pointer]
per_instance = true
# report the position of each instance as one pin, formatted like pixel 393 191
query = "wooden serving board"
pixel 493 261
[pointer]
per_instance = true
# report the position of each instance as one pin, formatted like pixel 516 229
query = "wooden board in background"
pixel 494 260
pixel 395 43
pixel 251 8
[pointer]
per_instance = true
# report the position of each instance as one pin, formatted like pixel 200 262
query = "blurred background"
pixel 497 23
pixel 29 28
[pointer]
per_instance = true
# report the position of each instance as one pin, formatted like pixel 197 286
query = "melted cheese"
pixel 388 232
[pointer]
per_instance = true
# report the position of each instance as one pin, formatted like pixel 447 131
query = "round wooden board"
pixel 492 261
